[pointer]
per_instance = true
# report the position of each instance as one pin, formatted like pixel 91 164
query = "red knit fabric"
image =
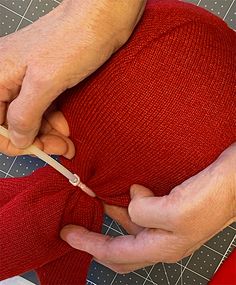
pixel 159 111
pixel 33 210
pixel 227 272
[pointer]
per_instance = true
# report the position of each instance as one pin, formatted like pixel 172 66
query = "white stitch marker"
pixel 74 179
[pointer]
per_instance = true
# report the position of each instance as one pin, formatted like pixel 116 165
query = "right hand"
pixel 167 228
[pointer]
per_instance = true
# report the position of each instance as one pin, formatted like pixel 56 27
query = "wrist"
pixel 110 22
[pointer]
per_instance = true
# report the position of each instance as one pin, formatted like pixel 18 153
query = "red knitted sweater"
pixel 159 111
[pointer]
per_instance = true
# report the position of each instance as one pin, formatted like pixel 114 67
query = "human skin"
pixel 179 222
pixel 165 228
pixel 53 138
pixel 171 227
pixel 56 52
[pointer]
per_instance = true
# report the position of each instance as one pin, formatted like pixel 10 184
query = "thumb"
pixel 139 192
pixel 25 113
pixel 149 211
pixel 82 239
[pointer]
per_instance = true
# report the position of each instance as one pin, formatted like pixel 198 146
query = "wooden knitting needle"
pixel 74 179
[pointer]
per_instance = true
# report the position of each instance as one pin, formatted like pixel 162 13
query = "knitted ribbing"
pixel 159 111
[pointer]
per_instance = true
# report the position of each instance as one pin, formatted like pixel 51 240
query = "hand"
pixel 53 138
pixel 42 60
pixel 174 226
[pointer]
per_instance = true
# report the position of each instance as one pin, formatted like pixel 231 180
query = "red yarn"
pixel 226 275
pixel 159 111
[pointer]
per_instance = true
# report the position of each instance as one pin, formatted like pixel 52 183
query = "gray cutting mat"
pixel 194 270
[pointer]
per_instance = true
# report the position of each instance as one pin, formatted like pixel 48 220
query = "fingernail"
pixel 72 239
pixel 19 140
pixel 69 235
pixel 132 191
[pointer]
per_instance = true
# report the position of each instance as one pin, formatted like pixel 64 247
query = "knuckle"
pixel 18 121
pixel 103 253
pixel 39 77
pixel 44 82
pixel 183 209
pixel 178 221
pixel 36 80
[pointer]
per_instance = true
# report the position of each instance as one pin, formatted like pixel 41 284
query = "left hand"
pixel 53 138
pixel 170 227
pixel 57 52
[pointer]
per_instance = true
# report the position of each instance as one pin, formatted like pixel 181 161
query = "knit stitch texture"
pixel 159 111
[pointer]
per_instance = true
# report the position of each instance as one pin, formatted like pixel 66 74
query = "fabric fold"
pixel 159 111
pixel 30 223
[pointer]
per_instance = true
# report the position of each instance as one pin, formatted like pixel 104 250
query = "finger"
pixel 58 122
pixel 5 146
pixel 195 246
pixel 57 144
pixel 148 246
pixel 54 144
pixel 70 153
pixel 3 109
pixel 6 96
pixel 123 268
pixel 122 217
pixel 45 127
pixel 9 149
pixel 151 212
pixel 25 112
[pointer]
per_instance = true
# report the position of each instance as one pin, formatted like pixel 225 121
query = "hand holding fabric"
pixel 173 226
